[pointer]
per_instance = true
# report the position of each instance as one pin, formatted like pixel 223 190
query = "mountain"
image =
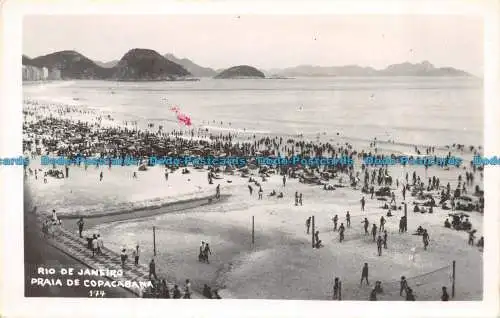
pixel 191 67
pixel 73 65
pixel 109 64
pixel 146 65
pixel 403 69
pixel 241 71
pixel 424 68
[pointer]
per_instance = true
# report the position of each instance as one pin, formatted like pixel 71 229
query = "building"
pixel 33 73
pixel 45 73
pixel 25 73
pixel 54 74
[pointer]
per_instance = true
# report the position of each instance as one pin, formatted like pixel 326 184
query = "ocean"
pixel 408 110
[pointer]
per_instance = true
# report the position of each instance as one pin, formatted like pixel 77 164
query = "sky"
pixel 266 41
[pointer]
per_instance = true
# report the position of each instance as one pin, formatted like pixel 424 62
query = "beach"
pixel 280 264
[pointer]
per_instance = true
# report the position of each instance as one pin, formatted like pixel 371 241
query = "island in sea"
pixel 240 72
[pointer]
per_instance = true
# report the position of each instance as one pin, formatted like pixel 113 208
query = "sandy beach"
pixel 281 264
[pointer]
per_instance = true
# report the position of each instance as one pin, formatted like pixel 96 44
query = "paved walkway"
pixel 76 247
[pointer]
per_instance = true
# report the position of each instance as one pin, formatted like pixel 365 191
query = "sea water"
pixel 413 110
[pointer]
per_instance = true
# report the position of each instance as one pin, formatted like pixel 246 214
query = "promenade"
pixel 76 247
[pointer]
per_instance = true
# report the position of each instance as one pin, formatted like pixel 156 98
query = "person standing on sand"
pixel 207 252
pixel 366 225
pixel 100 176
pixel 202 250
pixel 296 198
pixel 165 291
pixel 316 237
pixel 341 232
pixel 54 217
pixel 136 255
pixel 425 239
pixel 362 203
pixel 364 274
pixel 348 219
pixel 284 181
pixel 372 191
pixel 403 285
pixel 335 220
pixel 123 257
pixel 445 296
pixel 300 199
pixel 217 192
pixel 385 239
pixel 177 292
pixel 187 290
pixel 95 245
pixel 308 224
pixel 382 223
pixel 80 224
pixel 260 192
pixel 45 228
pixel 374 231
pixel 471 238
pixel 337 289
pixel 100 244
pixel 379 245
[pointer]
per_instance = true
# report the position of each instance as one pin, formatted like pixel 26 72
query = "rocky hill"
pixel 27 60
pixel 241 71
pixel 146 65
pixel 191 67
pixel 73 65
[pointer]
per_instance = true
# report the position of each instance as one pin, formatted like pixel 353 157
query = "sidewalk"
pixel 76 247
